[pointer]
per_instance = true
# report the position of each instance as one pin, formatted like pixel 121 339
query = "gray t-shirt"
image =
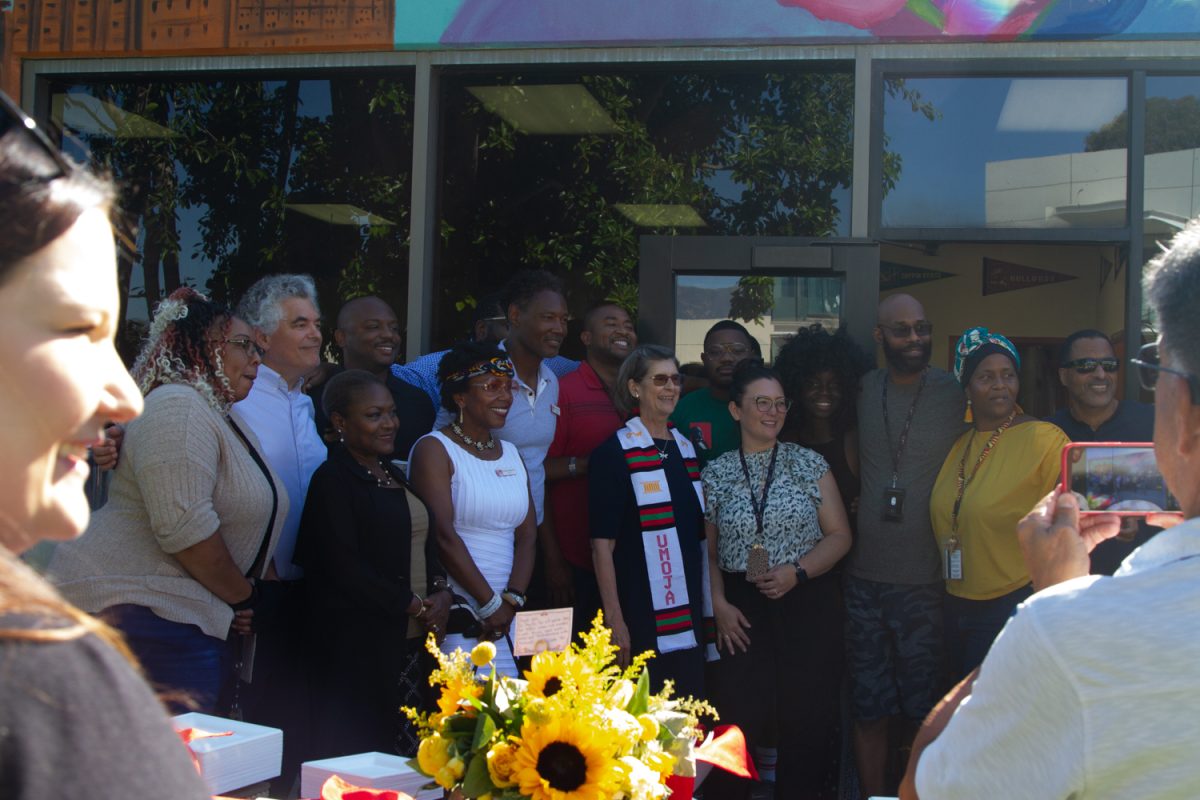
pixel 903 552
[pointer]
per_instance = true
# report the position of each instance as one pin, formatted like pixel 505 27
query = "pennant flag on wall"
pixel 894 276
pixel 1001 276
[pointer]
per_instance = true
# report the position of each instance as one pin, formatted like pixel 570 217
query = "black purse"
pixel 463 619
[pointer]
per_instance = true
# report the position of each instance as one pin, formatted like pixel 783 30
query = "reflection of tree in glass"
pixel 243 150
pixel 1171 124
pixel 752 154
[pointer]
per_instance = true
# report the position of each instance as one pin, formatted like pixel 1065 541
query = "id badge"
pixel 758 562
pixel 952 567
pixel 893 504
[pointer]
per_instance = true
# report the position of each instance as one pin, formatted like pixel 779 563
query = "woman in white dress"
pixel 478 491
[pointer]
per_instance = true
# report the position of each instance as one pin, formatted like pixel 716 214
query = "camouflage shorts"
pixel 893 648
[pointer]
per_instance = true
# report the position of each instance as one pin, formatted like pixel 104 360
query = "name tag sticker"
pixel 555 410
pixel 505 473
pixel 541 630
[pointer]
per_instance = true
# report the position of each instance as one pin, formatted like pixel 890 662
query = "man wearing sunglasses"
pixel 1088 369
pixel 1092 690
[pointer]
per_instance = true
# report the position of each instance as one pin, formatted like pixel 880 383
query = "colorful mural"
pixel 34 28
pixel 497 22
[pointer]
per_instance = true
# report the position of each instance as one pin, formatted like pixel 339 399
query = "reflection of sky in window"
pixel 941 181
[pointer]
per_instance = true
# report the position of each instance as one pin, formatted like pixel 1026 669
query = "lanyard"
pixel 963 480
pixel 759 507
pixel 887 425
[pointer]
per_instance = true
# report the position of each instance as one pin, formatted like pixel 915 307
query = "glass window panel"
pixel 1004 152
pixel 771 307
pixel 225 181
pixel 565 171
pixel 1172 194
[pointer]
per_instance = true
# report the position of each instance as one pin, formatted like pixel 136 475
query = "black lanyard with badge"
pixel 757 559
pixel 893 496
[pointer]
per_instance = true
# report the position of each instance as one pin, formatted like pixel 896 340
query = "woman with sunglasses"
pixel 193 511
pixel 478 492
pixel 645 510
pixel 77 719
pixel 995 472
pixel 775 526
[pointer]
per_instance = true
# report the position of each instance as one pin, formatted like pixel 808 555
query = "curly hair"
pixel 261 307
pixel 180 349
pixel 462 356
pixel 814 350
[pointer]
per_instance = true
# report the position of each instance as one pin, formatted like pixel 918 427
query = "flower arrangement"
pixel 579 727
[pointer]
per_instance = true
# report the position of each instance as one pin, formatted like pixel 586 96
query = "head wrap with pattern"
pixel 977 344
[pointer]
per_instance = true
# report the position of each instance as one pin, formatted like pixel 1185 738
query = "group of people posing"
pixel 282 534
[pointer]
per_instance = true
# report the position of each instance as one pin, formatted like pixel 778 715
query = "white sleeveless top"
pixel 491 498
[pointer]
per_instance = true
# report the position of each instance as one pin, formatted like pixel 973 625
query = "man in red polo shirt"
pixel 586 418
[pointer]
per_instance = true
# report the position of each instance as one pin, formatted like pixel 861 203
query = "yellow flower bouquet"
pixel 579 727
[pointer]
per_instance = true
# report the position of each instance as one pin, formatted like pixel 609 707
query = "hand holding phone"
pixel 1116 478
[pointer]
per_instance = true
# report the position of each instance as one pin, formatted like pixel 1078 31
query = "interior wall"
pixel 1051 311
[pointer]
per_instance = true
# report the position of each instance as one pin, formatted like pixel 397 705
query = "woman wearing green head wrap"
pixel 996 471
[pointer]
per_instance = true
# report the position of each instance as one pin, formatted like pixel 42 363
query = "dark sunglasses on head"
pixel 1148 368
pixel 903 331
pixel 1085 365
pixel 13 118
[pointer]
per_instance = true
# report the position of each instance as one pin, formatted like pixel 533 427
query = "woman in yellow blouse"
pixel 995 473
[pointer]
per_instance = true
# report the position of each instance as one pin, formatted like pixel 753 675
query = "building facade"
pixel 1012 163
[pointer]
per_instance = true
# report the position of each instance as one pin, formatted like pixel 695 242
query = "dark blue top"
pixel 1133 422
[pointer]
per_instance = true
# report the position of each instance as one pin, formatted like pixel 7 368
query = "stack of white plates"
pixel 252 754
pixel 368 770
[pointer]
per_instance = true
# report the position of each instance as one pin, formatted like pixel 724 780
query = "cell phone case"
pixel 757 561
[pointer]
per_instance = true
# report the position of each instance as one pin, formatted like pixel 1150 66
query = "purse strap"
pixel 259 567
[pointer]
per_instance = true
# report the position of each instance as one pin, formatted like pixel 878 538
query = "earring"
pixel 968 417
pixel 636 395
pixel 341 435
pixel 460 416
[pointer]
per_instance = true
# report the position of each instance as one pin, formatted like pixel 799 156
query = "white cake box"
pixel 253 753
pixel 368 770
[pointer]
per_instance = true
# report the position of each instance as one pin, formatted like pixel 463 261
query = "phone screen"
pixel 1117 478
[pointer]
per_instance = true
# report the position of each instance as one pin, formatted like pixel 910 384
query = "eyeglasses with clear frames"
pixel 1148 366
pixel 764 404
pixel 247 346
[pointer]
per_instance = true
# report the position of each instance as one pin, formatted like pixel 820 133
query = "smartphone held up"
pixel 1116 478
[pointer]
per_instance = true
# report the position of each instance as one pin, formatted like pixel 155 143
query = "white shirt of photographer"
pixel 1091 691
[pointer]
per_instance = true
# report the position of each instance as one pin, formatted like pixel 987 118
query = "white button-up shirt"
pixel 282 419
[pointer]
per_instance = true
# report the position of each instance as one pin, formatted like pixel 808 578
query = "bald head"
pixel 368 333
pixel 900 307
pixel 905 335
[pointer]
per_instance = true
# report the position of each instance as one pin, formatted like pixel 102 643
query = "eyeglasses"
pixel 735 349
pixel 662 379
pixel 494 385
pixel 11 116
pixel 1085 366
pixel 247 346
pixel 1149 367
pixel 765 404
pixel 903 331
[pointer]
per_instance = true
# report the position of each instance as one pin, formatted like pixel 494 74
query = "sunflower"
pixel 565 761
pixel 552 672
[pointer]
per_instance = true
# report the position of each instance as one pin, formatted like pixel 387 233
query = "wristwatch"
pixel 572 467
pixel 801 575
pixel 513 598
